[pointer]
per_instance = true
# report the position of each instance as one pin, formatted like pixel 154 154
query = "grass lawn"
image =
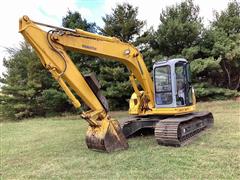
pixel 54 148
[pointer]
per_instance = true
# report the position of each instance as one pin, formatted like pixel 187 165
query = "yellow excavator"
pixel 165 103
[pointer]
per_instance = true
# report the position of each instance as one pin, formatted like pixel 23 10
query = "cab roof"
pixel 170 61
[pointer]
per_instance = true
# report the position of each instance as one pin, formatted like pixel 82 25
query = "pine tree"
pixel 114 76
pixel 180 28
pixel 224 39
pixel 85 63
pixel 27 86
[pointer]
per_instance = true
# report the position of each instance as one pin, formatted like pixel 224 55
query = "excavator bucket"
pixel 108 137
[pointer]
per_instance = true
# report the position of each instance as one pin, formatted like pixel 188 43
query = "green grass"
pixel 54 148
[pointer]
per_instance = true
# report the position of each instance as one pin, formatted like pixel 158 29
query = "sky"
pixel 52 12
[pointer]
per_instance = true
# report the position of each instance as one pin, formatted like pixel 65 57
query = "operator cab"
pixel 172 83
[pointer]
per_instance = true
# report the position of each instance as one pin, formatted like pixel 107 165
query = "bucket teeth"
pixel 108 137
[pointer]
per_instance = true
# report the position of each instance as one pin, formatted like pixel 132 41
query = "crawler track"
pixel 170 131
pixel 179 131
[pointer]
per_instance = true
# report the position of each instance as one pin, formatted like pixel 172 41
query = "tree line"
pixel 214 53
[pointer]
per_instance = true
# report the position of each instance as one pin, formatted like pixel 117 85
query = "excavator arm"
pixel 104 133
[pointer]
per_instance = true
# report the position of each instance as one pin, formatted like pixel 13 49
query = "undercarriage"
pixel 169 131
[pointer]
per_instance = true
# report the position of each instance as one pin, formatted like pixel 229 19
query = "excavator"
pixel 163 100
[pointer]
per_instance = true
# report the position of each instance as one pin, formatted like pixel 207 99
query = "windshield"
pixel 163 87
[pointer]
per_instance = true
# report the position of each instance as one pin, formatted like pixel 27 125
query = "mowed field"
pixel 54 148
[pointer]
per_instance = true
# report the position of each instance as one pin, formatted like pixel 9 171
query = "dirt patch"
pixel 238 99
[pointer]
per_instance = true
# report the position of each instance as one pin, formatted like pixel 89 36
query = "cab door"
pixel 189 88
pixel 183 84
